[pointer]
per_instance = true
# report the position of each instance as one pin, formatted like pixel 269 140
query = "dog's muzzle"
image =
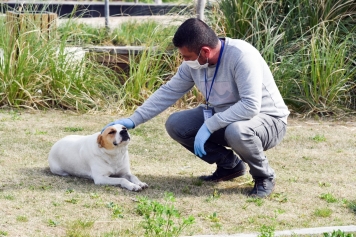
pixel 124 135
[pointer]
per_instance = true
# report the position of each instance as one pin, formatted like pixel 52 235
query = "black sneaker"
pixel 263 187
pixel 222 174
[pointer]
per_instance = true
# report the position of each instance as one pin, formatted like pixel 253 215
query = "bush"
pixel 310 49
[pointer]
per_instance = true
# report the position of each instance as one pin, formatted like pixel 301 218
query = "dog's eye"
pixel 112 132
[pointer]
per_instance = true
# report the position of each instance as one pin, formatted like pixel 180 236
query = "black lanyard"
pixel 216 70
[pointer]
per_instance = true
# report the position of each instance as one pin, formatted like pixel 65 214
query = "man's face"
pixel 190 56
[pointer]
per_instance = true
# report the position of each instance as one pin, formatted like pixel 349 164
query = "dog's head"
pixel 113 137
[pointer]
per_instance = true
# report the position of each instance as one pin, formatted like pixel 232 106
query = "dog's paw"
pixel 134 187
pixel 143 185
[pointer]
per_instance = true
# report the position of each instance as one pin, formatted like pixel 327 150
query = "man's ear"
pixel 205 52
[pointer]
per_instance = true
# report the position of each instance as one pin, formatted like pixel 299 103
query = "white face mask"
pixel 195 64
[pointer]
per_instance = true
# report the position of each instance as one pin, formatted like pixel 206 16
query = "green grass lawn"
pixel 315 169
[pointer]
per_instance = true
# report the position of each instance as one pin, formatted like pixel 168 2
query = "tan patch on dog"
pixel 107 138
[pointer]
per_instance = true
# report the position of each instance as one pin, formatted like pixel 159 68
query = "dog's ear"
pixel 100 140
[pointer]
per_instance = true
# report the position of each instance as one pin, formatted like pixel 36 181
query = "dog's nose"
pixel 124 135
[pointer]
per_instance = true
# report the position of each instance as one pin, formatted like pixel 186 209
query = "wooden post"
pixel 22 26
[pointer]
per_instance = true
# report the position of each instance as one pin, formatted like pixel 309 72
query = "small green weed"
pixel 323 212
pixel 279 211
pixel 338 233
pixel 79 228
pixel 52 223
pixel 22 219
pixel 9 197
pixel 94 195
pixel 215 220
pixel 117 211
pixel 69 190
pixel 257 201
pixel 40 132
pixel 266 231
pixel 214 217
pixel 351 205
pixel 328 197
pixel 84 224
pixel 3 233
pixel 162 219
pixel 72 200
pixel 319 138
pixel 73 129
pixel 279 197
pixel 214 196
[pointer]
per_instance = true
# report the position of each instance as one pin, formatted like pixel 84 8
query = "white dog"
pixel 102 157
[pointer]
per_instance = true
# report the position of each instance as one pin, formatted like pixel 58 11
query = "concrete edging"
pixel 306 231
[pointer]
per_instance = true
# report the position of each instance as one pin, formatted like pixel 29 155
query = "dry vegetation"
pixel 315 166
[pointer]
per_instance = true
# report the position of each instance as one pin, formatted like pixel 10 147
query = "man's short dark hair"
pixel 194 34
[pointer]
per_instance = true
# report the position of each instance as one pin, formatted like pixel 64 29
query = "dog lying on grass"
pixel 102 157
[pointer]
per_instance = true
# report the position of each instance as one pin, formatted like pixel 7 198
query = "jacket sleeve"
pixel 165 96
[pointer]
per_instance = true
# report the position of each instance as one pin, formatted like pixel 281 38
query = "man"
pixel 244 113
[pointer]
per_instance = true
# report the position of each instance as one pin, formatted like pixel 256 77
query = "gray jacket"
pixel 243 87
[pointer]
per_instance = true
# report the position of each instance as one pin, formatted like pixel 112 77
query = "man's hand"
pixel 200 139
pixel 128 123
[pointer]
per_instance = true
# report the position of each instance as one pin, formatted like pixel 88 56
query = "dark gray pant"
pixel 248 139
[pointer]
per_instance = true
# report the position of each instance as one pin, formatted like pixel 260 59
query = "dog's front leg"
pixel 122 182
pixel 135 180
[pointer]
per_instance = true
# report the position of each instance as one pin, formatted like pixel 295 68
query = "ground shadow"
pixel 181 186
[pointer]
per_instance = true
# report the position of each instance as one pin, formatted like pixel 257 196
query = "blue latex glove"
pixel 128 123
pixel 200 139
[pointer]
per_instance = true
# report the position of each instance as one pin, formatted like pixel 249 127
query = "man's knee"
pixel 237 133
pixel 171 124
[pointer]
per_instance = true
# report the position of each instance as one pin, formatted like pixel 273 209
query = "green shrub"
pixel 310 49
pixel 162 219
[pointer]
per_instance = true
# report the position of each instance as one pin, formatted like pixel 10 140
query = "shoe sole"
pixel 226 178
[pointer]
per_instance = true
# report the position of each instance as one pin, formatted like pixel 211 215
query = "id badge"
pixel 207 113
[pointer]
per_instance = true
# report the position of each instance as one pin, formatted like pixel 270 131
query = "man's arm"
pixel 164 97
